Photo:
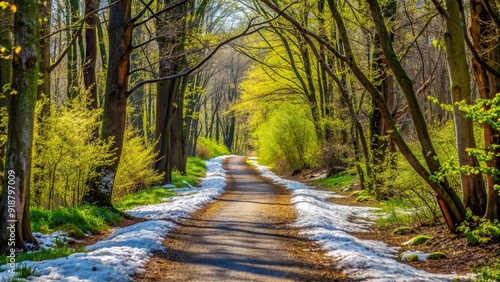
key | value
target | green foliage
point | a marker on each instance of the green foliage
(23, 272)
(207, 149)
(363, 199)
(79, 220)
(144, 197)
(484, 111)
(336, 181)
(66, 153)
(135, 170)
(287, 139)
(43, 254)
(489, 272)
(195, 170)
(479, 231)
(402, 211)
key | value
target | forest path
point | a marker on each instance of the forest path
(244, 235)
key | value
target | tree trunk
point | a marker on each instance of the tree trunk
(474, 194)
(447, 193)
(171, 36)
(89, 73)
(485, 41)
(120, 31)
(15, 202)
(6, 23)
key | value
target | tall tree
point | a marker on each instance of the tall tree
(473, 192)
(171, 41)
(484, 30)
(15, 201)
(451, 203)
(6, 23)
(89, 64)
(120, 29)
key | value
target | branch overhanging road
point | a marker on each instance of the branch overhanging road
(244, 235)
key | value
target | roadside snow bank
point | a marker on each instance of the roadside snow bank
(125, 252)
(330, 225)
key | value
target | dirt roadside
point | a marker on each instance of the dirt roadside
(244, 235)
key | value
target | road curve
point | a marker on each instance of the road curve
(244, 235)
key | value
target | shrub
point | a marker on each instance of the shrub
(66, 153)
(208, 148)
(287, 139)
(479, 231)
(135, 170)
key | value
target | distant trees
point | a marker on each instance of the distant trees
(329, 41)
(81, 121)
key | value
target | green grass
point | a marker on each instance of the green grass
(335, 181)
(398, 211)
(489, 272)
(76, 221)
(148, 196)
(23, 272)
(43, 254)
(195, 171)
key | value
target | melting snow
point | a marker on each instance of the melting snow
(125, 252)
(330, 225)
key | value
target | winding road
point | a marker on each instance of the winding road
(244, 235)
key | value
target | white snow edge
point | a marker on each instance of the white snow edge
(330, 225)
(126, 251)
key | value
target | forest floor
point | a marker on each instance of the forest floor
(462, 258)
(257, 230)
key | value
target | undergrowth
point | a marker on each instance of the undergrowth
(479, 231)
(401, 211)
(207, 149)
(488, 272)
(60, 251)
(336, 182)
(195, 171)
(75, 221)
(148, 196)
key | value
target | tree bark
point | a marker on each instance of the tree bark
(473, 192)
(89, 73)
(171, 36)
(484, 39)
(21, 107)
(120, 31)
(6, 34)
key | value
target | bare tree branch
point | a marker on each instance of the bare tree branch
(156, 14)
(245, 32)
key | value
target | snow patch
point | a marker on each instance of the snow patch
(126, 251)
(331, 224)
